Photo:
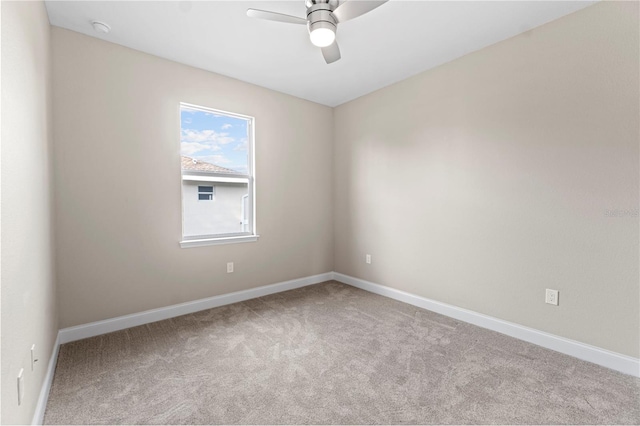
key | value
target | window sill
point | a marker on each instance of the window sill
(218, 241)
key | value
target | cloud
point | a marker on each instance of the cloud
(226, 126)
(190, 148)
(206, 136)
(241, 146)
(187, 120)
(214, 147)
(197, 141)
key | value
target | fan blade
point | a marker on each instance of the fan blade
(331, 53)
(274, 16)
(353, 8)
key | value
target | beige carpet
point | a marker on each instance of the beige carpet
(328, 353)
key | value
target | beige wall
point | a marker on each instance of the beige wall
(28, 293)
(117, 170)
(486, 180)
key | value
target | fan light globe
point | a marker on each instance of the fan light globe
(322, 37)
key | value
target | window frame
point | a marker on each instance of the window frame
(247, 236)
(211, 194)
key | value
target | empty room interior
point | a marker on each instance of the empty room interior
(320, 212)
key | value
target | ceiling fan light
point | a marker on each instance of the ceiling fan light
(322, 37)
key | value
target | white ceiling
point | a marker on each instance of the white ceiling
(397, 40)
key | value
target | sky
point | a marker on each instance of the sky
(213, 138)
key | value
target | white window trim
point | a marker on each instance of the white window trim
(200, 242)
(251, 235)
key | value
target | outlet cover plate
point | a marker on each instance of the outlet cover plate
(551, 297)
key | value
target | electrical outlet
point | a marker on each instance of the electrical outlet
(21, 386)
(551, 297)
(229, 267)
(33, 357)
(367, 259)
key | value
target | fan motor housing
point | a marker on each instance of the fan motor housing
(319, 16)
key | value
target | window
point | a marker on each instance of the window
(205, 193)
(218, 190)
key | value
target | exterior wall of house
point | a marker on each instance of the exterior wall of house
(29, 306)
(221, 215)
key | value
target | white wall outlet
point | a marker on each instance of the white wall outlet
(367, 258)
(229, 267)
(33, 357)
(20, 386)
(551, 297)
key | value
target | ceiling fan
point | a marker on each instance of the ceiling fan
(323, 17)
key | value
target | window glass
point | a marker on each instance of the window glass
(216, 165)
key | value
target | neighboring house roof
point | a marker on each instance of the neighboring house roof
(195, 165)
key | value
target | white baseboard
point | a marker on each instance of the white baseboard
(603, 357)
(127, 321)
(38, 415)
